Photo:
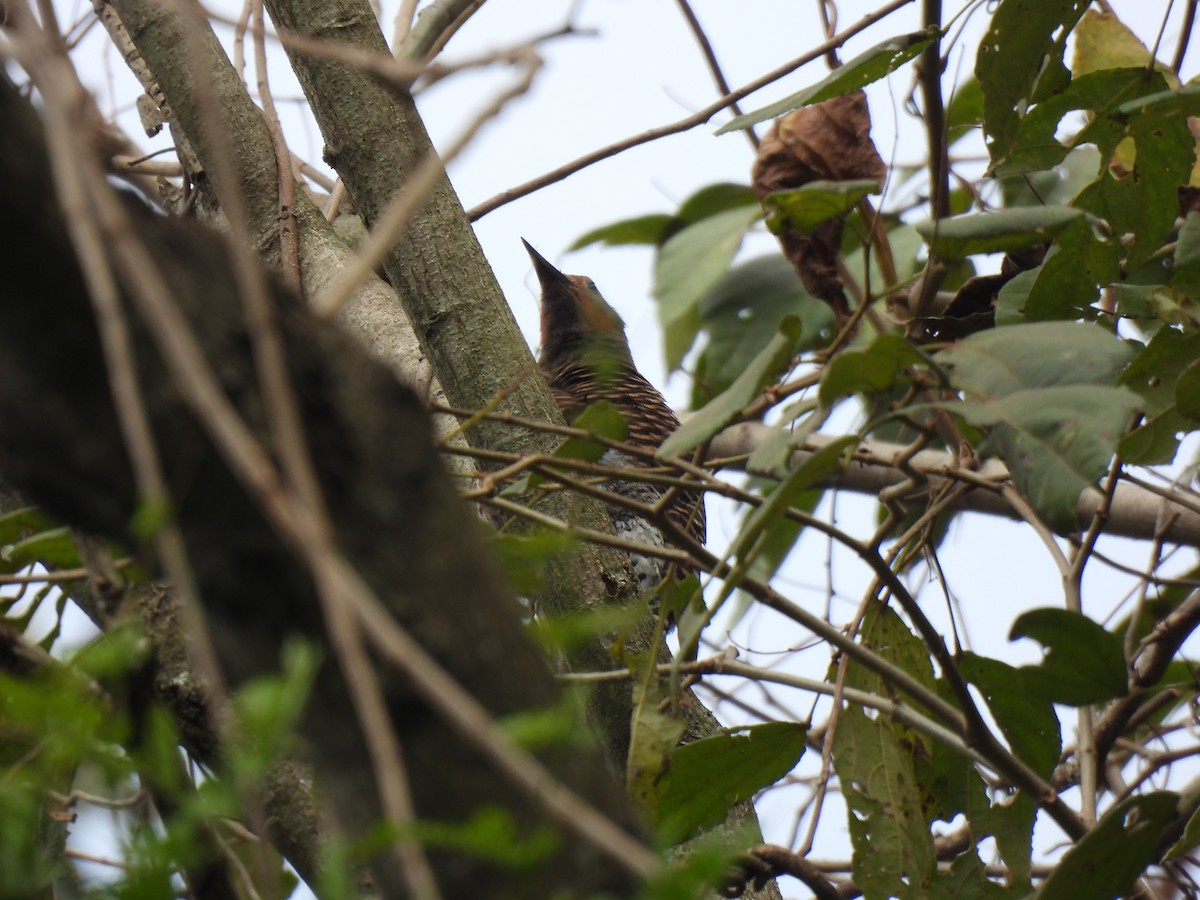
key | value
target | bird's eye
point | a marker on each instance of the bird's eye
(591, 284)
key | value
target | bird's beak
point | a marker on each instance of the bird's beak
(548, 276)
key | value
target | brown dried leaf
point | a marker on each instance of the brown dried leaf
(827, 141)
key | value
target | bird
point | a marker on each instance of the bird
(585, 358)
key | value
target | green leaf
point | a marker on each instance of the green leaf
(1023, 712)
(1171, 104)
(1187, 392)
(965, 112)
(805, 208)
(648, 229)
(525, 557)
(1154, 374)
(893, 847)
(1001, 231)
(741, 314)
(706, 777)
(23, 522)
(1185, 274)
(492, 834)
(1042, 389)
(602, 419)
(1102, 41)
(713, 199)
(875, 760)
(1108, 859)
(54, 549)
(653, 736)
(1083, 662)
(1032, 730)
(725, 408)
(688, 266)
(1037, 146)
(1020, 61)
(968, 880)
(655, 228)
(1057, 441)
(869, 371)
(1067, 284)
(865, 68)
(1142, 204)
(1188, 841)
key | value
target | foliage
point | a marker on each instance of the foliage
(1037, 382)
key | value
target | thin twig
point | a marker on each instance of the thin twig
(699, 118)
(1185, 34)
(714, 66)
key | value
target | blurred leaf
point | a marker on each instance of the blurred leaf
(602, 419)
(996, 232)
(1187, 392)
(713, 199)
(968, 880)
(965, 112)
(268, 710)
(741, 314)
(1056, 186)
(798, 423)
(560, 725)
(655, 228)
(1046, 354)
(865, 68)
(1042, 390)
(869, 371)
(1184, 101)
(1108, 859)
(648, 229)
(907, 251)
(725, 408)
(1102, 41)
(688, 266)
(704, 778)
(524, 557)
(492, 834)
(54, 549)
(804, 208)
(653, 736)
(1188, 841)
(1083, 662)
(1185, 275)
(29, 520)
(1020, 61)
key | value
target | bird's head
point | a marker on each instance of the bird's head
(578, 325)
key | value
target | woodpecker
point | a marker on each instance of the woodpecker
(585, 357)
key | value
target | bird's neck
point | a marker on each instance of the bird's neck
(603, 354)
